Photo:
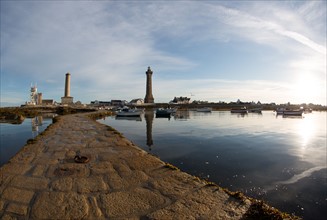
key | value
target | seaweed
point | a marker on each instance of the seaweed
(170, 166)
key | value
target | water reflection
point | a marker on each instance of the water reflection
(14, 136)
(36, 122)
(149, 115)
(305, 130)
(182, 115)
(137, 118)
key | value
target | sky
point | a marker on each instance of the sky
(267, 51)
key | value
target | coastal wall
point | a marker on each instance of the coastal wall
(116, 180)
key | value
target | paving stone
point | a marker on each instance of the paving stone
(33, 183)
(17, 195)
(23, 157)
(135, 178)
(62, 184)
(5, 179)
(39, 170)
(45, 160)
(68, 169)
(95, 211)
(130, 203)
(102, 168)
(205, 203)
(59, 154)
(70, 153)
(60, 205)
(2, 205)
(16, 168)
(7, 216)
(18, 209)
(92, 184)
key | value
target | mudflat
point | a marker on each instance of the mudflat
(81, 169)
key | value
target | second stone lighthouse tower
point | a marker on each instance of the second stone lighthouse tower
(148, 96)
(67, 85)
(67, 99)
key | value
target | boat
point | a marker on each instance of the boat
(255, 110)
(280, 111)
(242, 110)
(163, 113)
(127, 112)
(204, 109)
(307, 110)
(171, 110)
(293, 112)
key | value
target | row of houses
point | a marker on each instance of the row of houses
(113, 102)
(139, 101)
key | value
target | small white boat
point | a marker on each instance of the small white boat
(255, 110)
(280, 111)
(126, 112)
(204, 109)
(171, 110)
(307, 110)
(293, 112)
(242, 110)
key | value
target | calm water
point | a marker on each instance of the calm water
(279, 160)
(13, 137)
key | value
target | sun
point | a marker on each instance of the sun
(306, 89)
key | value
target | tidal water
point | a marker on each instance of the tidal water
(14, 136)
(279, 160)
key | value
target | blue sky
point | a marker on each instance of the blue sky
(268, 51)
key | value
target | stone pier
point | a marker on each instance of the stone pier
(119, 181)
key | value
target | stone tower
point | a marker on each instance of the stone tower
(148, 96)
(67, 99)
(67, 85)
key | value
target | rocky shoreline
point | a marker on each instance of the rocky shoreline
(47, 179)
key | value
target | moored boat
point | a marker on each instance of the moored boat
(255, 110)
(171, 110)
(162, 113)
(293, 112)
(280, 111)
(204, 109)
(126, 112)
(307, 110)
(242, 110)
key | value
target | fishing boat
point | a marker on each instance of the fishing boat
(163, 113)
(307, 110)
(298, 112)
(204, 109)
(242, 110)
(280, 111)
(127, 112)
(255, 110)
(171, 110)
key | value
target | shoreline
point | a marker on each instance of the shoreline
(119, 181)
